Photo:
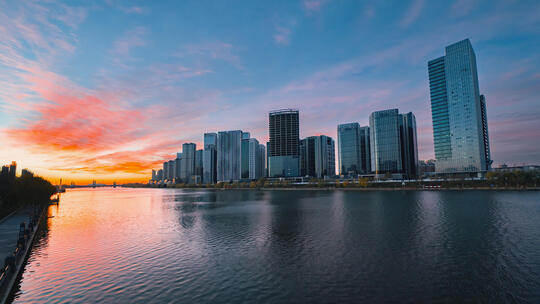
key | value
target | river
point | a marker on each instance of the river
(122, 245)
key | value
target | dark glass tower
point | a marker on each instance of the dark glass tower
(409, 147)
(284, 153)
(353, 149)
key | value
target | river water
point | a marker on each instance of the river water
(244, 246)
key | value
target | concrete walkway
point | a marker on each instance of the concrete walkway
(9, 231)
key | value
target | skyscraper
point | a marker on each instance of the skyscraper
(210, 158)
(348, 148)
(229, 155)
(283, 152)
(244, 164)
(409, 146)
(172, 169)
(261, 155)
(317, 155)
(365, 149)
(458, 111)
(165, 170)
(353, 149)
(178, 167)
(393, 143)
(198, 173)
(385, 141)
(188, 162)
(255, 159)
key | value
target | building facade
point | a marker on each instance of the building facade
(409, 145)
(256, 159)
(385, 142)
(317, 156)
(245, 156)
(365, 150)
(229, 155)
(210, 158)
(188, 162)
(353, 149)
(393, 143)
(198, 173)
(460, 131)
(283, 150)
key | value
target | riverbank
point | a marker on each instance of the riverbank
(344, 188)
(17, 234)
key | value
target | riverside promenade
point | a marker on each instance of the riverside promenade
(9, 242)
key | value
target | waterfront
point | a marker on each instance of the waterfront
(241, 246)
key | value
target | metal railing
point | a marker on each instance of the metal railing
(8, 270)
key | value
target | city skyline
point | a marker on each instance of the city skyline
(101, 92)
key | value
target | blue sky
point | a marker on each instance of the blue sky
(93, 88)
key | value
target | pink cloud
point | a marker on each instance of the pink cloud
(413, 12)
(282, 35)
(131, 39)
(313, 5)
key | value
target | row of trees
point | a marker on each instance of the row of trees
(516, 179)
(16, 192)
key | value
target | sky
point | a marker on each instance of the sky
(108, 90)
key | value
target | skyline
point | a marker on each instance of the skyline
(101, 90)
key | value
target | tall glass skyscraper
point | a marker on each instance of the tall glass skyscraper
(353, 149)
(187, 169)
(409, 146)
(458, 111)
(365, 149)
(210, 158)
(385, 141)
(244, 165)
(393, 143)
(283, 152)
(229, 155)
(256, 159)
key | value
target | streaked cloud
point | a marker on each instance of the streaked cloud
(413, 12)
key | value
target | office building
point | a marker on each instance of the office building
(172, 170)
(262, 161)
(198, 165)
(188, 162)
(385, 142)
(160, 174)
(409, 146)
(317, 156)
(245, 156)
(229, 155)
(365, 150)
(256, 159)
(353, 149)
(460, 129)
(178, 167)
(283, 151)
(393, 144)
(165, 171)
(210, 158)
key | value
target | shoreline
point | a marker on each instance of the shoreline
(350, 189)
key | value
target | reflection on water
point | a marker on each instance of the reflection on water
(191, 246)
